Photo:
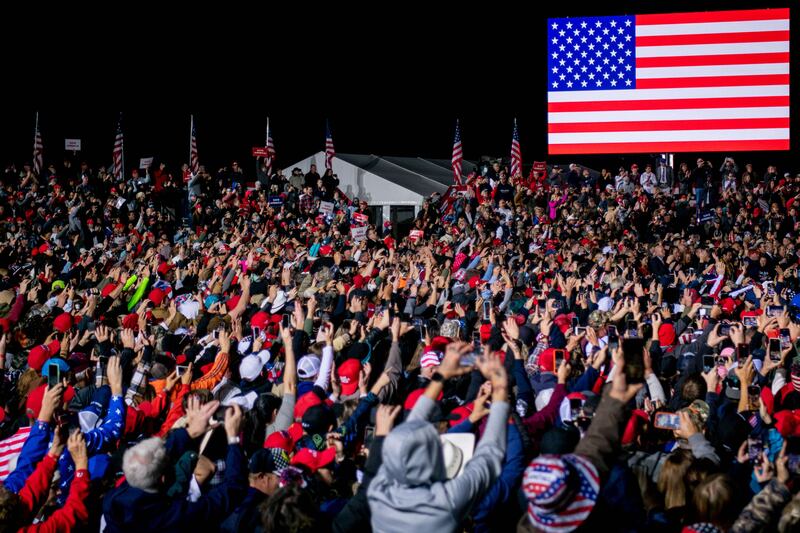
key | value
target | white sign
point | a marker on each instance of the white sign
(359, 234)
(72, 144)
(120, 202)
(145, 162)
(326, 208)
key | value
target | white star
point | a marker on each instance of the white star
(620, 45)
(613, 38)
(562, 77)
(577, 62)
(569, 40)
(591, 32)
(555, 40)
(591, 75)
(627, 67)
(613, 53)
(561, 48)
(554, 26)
(583, 39)
(620, 31)
(577, 75)
(605, 75)
(627, 22)
(583, 83)
(583, 68)
(598, 68)
(576, 32)
(569, 69)
(555, 85)
(606, 60)
(591, 61)
(621, 75)
(569, 84)
(569, 25)
(627, 52)
(598, 23)
(605, 31)
(620, 60)
(555, 70)
(613, 23)
(555, 55)
(613, 83)
(598, 38)
(628, 82)
(118, 412)
(605, 46)
(613, 68)
(591, 47)
(583, 24)
(577, 47)
(561, 33)
(599, 83)
(569, 55)
(598, 53)
(561, 62)
(583, 54)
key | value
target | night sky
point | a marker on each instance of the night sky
(391, 85)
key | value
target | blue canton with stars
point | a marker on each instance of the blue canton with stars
(588, 53)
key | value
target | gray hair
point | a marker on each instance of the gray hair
(144, 463)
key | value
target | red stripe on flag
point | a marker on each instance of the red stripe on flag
(677, 146)
(724, 59)
(677, 103)
(713, 16)
(713, 81)
(659, 125)
(713, 38)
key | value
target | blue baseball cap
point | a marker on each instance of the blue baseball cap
(62, 365)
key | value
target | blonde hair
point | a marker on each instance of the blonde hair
(671, 482)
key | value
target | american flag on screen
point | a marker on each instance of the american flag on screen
(118, 152)
(458, 156)
(270, 150)
(678, 82)
(329, 151)
(516, 153)
(37, 149)
(194, 161)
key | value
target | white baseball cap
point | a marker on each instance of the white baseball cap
(308, 366)
(251, 366)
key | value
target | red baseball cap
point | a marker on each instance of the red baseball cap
(304, 402)
(348, 373)
(313, 460)
(63, 322)
(259, 320)
(108, 289)
(163, 268)
(412, 398)
(156, 296)
(286, 439)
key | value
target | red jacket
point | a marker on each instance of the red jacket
(36, 490)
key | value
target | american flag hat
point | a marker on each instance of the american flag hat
(561, 492)
(460, 275)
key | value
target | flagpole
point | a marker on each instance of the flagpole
(266, 141)
(122, 170)
(35, 133)
(191, 129)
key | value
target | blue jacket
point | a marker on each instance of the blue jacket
(246, 517)
(98, 441)
(130, 509)
(32, 452)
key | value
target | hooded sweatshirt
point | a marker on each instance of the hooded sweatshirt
(411, 490)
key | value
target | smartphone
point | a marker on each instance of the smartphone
(667, 421)
(53, 375)
(750, 321)
(580, 330)
(575, 324)
(724, 329)
(773, 310)
(476, 340)
(559, 356)
(742, 352)
(575, 408)
(487, 311)
(285, 321)
(613, 342)
(775, 349)
(708, 362)
(612, 330)
(753, 396)
(632, 328)
(633, 352)
(793, 463)
(704, 310)
(369, 433)
(755, 447)
(468, 359)
(181, 370)
(785, 338)
(256, 332)
(558, 304)
(215, 334)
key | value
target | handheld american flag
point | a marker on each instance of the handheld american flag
(37, 149)
(329, 151)
(516, 153)
(194, 161)
(270, 150)
(118, 151)
(458, 156)
(679, 82)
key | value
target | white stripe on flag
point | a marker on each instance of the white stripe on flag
(712, 49)
(671, 135)
(668, 114)
(712, 70)
(694, 28)
(661, 94)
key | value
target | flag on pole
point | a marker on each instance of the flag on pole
(329, 151)
(37, 149)
(194, 162)
(457, 156)
(516, 153)
(674, 82)
(270, 151)
(118, 171)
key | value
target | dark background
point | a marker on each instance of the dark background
(391, 82)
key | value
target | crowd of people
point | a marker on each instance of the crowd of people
(564, 351)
